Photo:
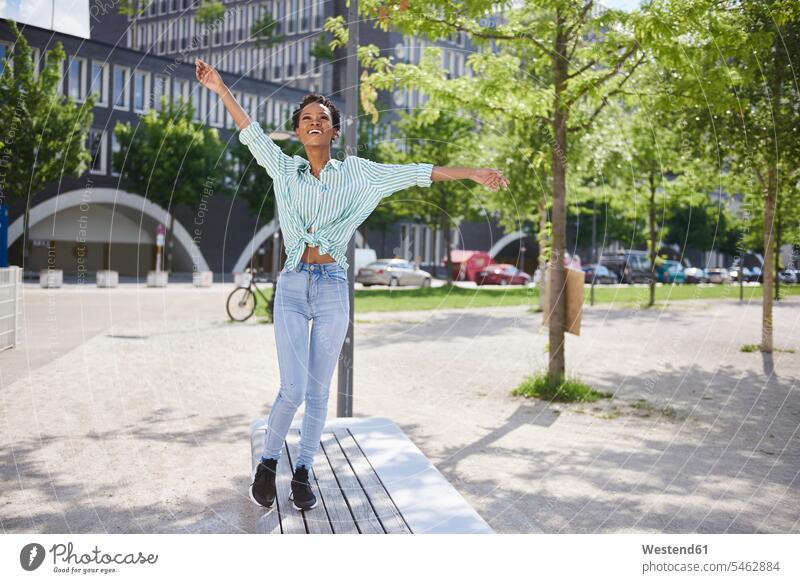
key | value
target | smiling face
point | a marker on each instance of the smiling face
(316, 125)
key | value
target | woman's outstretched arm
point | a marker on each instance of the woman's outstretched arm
(489, 177)
(208, 76)
(266, 152)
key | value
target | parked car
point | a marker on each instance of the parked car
(695, 275)
(631, 266)
(392, 272)
(502, 274)
(670, 271)
(747, 275)
(599, 273)
(789, 276)
(718, 275)
(758, 275)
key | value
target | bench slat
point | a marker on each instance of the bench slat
(317, 518)
(382, 503)
(363, 513)
(339, 513)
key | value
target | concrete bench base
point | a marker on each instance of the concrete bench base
(368, 477)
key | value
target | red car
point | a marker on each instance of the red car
(502, 274)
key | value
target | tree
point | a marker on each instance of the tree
(209, 12)
(733, 80)
(441, 142)
(170, 159)
(265, 32)
(557, 63)
(46, 131)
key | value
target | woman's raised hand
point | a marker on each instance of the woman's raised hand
(490, 177)
(208, 76)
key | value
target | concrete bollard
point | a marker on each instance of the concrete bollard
(157, 278)
(51, 277)
(107, 278)
(242, 279)
(203, 278)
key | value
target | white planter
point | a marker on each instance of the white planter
(157, 278)
(203, 278)
(107, 278)
(242, 279)
(51, 277)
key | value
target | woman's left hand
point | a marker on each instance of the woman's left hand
(490, 177)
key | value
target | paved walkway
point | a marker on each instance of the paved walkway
(128, 411)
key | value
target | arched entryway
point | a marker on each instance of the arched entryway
(100, 228)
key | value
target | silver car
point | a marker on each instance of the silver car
(392, 272)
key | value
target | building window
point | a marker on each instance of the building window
(181, 91)
(97, 149)
(99, 85)
(121, 87)
(115, 148)
(278, 13)
(305, 15)
(198, 101)
(160, 89)
(141, 87)
(277, 61)
(76, 79)
(230, 20)
(290, 50)
(319, 13)
(162, 38)
(5, 51)
(292, 17)
(304, 57)
(214, 117)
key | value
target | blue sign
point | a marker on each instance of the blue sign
(3, 236)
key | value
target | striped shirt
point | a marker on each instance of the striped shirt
(325, 212)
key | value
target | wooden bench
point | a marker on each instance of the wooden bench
(368, 478)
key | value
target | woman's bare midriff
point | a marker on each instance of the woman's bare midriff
(312, 255)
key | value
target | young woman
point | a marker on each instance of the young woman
(321, 202)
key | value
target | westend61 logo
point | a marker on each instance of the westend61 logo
(32, 556)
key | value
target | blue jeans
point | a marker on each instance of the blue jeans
(318, 292)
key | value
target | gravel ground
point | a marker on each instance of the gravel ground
(127, 410)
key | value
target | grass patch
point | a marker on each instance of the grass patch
(756, 348)
(624, 296)
(569, 390)
(440, 298)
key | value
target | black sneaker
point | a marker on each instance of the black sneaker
(262, 490)
(302, 497)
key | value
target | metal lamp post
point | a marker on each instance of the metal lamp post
(344, 402)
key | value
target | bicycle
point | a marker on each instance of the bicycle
(241, 303)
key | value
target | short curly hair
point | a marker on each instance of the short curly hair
(336, 117)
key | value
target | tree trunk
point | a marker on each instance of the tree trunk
(544, 242)
(778, 242)
(770, 202)
(557, 367)
(653, 242)
(769, 245)
(446, 230)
